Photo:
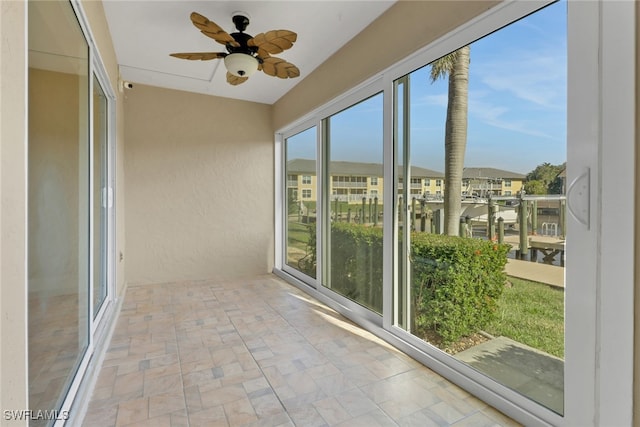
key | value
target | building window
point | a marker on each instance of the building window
(438, 183)
(374, 180)
(306, 179)
(507, 183)
(427, 182)
(306, 193)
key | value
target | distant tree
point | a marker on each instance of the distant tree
(535, 187)
(292, 200)
(456, 66)
(544, 179)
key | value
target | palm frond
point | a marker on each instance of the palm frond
(443, 66)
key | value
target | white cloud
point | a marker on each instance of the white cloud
(535, 77)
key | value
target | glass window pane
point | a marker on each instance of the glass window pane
(100, 196)
(355, 153)
(58, 247)
(301, 201)
(481, 272)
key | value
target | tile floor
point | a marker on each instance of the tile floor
(54, 348)
(260, 352)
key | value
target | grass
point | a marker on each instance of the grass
(533, 314)
(298, 235)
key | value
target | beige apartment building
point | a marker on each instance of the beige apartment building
(352, 181)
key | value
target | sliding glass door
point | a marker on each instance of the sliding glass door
(70, 199)
(59, 201)
(481, 220)
(353, 203)
(495, 154)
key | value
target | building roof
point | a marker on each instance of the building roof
(491, 173)
(307, 166)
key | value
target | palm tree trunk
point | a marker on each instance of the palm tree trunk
(455, 140)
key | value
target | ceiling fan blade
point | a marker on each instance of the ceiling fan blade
(202, 56)
(213, 30)
(278, 67)
(274, 41)
(235, 80)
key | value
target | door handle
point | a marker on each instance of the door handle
(578, 198)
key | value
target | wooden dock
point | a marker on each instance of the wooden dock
(549, 246)
(551, 275)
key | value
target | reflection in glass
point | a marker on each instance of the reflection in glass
(301, 201)
(481, 246)
(58, 223)
(100, 196)
(354, 202)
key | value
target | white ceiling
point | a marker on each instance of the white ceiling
(145, 33)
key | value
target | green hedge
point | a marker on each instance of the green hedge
(356, 263)
(456, 283)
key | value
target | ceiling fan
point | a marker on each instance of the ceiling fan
(245, 54)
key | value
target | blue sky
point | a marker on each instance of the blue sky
(517, 104)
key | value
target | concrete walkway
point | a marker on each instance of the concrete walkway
(533, 373)
(535, 271)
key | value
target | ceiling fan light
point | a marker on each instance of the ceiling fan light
(241, 64)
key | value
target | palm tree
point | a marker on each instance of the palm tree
(456, 66)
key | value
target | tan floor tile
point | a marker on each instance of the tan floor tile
(130, 383)
(331, 410)
(375, 418)
(240, 412)
(161, 404)
(478, 420)
(192, 399)
(259, 353)
(107, 377)
(101, 416)
(132, 411)
(221, 395)
(212, 416)
(162, 370)
(171, 383)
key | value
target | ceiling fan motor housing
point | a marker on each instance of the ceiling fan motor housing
(241, 21)
(242, 60)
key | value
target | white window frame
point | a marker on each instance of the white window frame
(599, 307)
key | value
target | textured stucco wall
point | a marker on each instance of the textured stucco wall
(200, 196)
(13, 224)
(54, 190)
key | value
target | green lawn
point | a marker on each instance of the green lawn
(532, 314)
(298, 235)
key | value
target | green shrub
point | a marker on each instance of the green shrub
(456, 283)
(307, 264)
(356, 263)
